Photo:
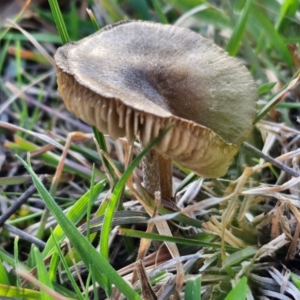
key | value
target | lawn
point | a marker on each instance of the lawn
(83, 215)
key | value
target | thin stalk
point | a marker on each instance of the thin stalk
(150, 167)
(165, 177)
(157, 175)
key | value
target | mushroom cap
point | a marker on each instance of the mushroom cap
(134, 78)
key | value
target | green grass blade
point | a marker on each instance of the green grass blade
(3, 274)
(161, 16)
(86, 251)
(59, 21)
(16, 262)
(288, 8)
(31, 263)
(288, 105)
(53, 266)
(75, 214)
(43, 275)
(3, 53)
(266, 88)
(12, 292)
(87, 285)
(69, 274)
(296, 280)
(239, 292)
(9, 259)
(102, 144)
(90, 203)
(94, 284)
(273, 36)
(193, 288)
(237, 35)
(40, 37)
(238, 257)
(270, 105)
(166, 238)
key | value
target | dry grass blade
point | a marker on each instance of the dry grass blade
(147, 292)
(272, 190)
(218, 228)
(272, 161)
(20, 13)
(33, 41)
(18, 93)
(271, 247)
(28, 277)
(12, 209)
(245, 224)
(145, 243)
(164, 229)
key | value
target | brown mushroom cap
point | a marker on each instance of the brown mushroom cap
(134, 78)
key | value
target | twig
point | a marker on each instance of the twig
(15, 206)
(25, 236)
(271, 160)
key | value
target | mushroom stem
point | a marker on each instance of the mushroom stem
(165, 177)
(157, 174)
(150, 167)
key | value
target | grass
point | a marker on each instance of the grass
(229, 238)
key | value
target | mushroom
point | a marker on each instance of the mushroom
(133, 78)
